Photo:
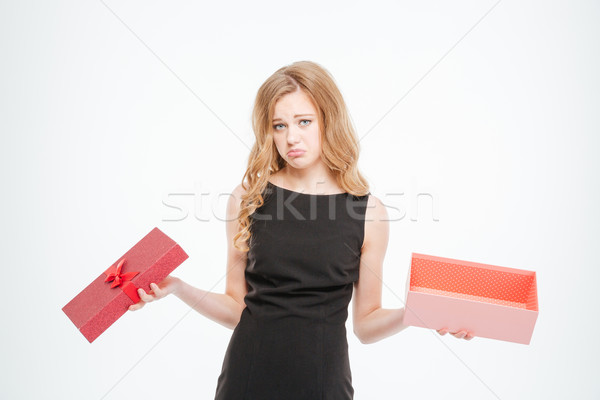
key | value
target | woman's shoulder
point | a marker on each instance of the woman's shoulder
(235, 199)
(376, 211)
(239, 190)
(376, 222)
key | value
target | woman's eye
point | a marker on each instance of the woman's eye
(301, 121)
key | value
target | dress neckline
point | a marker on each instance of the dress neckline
(305, 194)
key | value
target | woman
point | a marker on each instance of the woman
(304, 234)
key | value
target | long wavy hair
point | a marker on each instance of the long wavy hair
(340, 145)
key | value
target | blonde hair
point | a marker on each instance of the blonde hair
(340, 145)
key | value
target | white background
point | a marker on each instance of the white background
(492, 108)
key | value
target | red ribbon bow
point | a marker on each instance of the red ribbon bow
(122, 280)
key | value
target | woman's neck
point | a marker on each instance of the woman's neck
(318, 181)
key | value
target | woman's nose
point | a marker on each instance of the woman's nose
(293, 135)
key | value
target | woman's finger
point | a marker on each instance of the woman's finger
(136, 306)
(442, 331)
(469, 336)
(144, 296)
(157, 291)
(460, 334)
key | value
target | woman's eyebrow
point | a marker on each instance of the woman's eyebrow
(295, 116)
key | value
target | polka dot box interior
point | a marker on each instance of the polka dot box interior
(488, 300)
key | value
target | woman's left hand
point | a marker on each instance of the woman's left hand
(460, 334)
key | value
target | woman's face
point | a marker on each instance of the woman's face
(295, 126)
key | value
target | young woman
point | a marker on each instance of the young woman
(304, 235)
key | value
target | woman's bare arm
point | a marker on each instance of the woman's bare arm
(372, 322)
(224, 308)
(219, 307)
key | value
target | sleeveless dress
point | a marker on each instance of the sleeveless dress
(290, 342)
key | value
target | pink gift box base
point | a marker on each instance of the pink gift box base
(489, 301)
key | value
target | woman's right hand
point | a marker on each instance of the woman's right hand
(164, 288)
(462, 334)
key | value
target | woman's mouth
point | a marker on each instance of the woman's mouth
(295, 153)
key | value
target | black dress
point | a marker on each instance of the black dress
(290, 342)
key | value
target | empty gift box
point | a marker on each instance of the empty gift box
(487, 300)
